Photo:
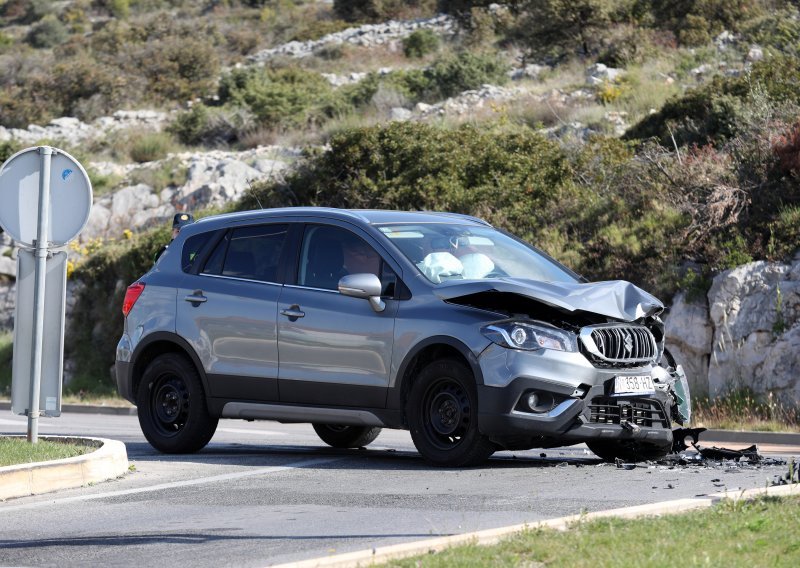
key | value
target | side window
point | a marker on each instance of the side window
(329, 253)
(254, 252)
(192, 247)
(214, 263)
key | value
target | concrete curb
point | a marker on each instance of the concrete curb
(108, 461)
(750, 437)
(492, 536)
(88, 409)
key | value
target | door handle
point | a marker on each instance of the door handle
(293, 312)
(196, 297)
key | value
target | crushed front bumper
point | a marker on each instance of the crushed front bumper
(579, 403)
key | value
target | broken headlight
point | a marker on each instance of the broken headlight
(530, 336)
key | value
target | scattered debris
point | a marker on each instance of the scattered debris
(622, 465)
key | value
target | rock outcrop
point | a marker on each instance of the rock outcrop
(367, 35)
(213, 178)
(744, 334)
(73, 131)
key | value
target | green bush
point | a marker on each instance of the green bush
(180, 69)
(779, 30)
(279, 98)
(557, 29)
(49, 32)
(96, 324)
(381, 10)
(450, 75)
(150, 146)
(420, 43)
(711, 112)
(191, 126)
(694, 22)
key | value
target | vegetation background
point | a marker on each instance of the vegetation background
(704, 177)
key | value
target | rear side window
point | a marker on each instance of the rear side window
(192, 248)
(254, 252)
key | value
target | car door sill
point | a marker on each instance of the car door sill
(282, 413)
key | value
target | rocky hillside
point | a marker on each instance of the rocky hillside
(655, 141)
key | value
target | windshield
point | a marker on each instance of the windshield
(465, 252)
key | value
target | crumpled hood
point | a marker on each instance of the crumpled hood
(616, 299)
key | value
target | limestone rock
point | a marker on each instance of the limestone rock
(755, 312)
(689, 336)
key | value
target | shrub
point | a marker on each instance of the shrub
(451, 75)
(557, 29)
(76, 80)
(420, 43)
(711, 113)
(190, 126)
(279, 97)
(779, 30)
(380, 10)
(180, 68)
(49, 32)
(96, 320)
(150, 146)
(695, 22)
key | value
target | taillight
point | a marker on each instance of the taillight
(131, 295)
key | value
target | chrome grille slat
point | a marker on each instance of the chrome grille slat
(619, 343)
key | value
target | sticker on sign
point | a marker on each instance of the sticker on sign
(634, 384)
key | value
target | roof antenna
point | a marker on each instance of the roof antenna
(253, 191)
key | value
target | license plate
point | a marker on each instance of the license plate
(635, 384)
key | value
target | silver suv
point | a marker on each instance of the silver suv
(360, 320)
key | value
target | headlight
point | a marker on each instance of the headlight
(530, 336)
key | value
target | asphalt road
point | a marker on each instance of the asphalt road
(265, 493)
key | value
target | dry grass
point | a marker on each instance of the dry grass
(743, 410)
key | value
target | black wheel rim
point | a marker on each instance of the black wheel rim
(337, 427)
(446, 413)
(169, 404)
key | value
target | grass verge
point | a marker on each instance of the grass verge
(15, 451)
(762, 532)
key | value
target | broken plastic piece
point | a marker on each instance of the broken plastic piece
(679, 436)
(719, 454)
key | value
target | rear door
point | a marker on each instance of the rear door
(334, 350)
(227, 311)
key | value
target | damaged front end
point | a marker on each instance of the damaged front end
(576, 362)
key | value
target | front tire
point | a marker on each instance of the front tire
(172, 407)
(628, 451)
(338, 436)
(442, 411)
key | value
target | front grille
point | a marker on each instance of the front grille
(619, 343)
(642, 412)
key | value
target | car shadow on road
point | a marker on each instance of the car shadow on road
(261, 455)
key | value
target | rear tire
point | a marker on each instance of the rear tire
(338, 436)
(172, 407)
(442, 411)
(629, 451)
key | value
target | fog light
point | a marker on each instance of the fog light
(533, 401)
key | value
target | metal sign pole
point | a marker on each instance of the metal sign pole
(40, 254)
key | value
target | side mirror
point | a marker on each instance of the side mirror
(367, 286)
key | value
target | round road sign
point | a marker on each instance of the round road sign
(70, 197)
